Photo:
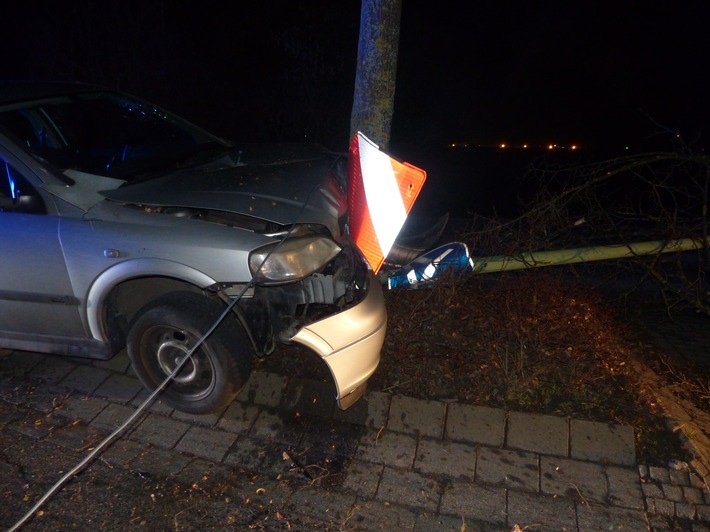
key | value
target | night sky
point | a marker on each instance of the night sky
(584, 72)
(601, 73)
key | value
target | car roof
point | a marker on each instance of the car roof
(18, 91)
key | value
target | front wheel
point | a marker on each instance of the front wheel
(167, 329)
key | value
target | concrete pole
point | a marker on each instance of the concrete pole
(538, 259)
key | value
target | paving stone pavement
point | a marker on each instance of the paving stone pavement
(390, 462)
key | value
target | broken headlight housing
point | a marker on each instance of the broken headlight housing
(292, 259)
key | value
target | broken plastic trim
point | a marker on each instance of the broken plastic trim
(453, 257)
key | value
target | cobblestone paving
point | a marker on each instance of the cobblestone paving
(390, 462)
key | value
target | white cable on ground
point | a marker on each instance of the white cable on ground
(89, 457)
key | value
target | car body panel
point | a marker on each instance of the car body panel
(284, 193)
(350, 342)
(36, 294)
(218, 251)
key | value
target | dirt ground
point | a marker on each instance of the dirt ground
(532, 341)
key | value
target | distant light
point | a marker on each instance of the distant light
(502, 145)
(574, 146)
(626, 147)
(551, 146)
(525, 145)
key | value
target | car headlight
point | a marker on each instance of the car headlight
(292, 259)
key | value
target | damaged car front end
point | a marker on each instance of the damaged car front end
(338, 312)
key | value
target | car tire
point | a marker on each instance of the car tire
(163, 333)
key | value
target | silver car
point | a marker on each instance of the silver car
(124, 226)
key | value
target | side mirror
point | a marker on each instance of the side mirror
(25, 204)
(30, 204)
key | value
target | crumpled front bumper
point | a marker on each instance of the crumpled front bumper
(350, 343)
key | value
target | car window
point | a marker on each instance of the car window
(16, 192)
(19, 128)
(105, 134)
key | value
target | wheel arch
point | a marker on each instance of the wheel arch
(119, 292)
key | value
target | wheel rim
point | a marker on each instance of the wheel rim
(170, 354)
(166, 347)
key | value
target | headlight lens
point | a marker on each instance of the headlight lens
(292, 260)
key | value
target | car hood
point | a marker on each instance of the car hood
(280, 192)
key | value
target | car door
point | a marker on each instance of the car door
(36, 296)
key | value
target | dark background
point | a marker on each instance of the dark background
(604, 75)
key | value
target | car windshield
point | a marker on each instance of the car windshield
(107, 134)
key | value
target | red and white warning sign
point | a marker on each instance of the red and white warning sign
(381, 194)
